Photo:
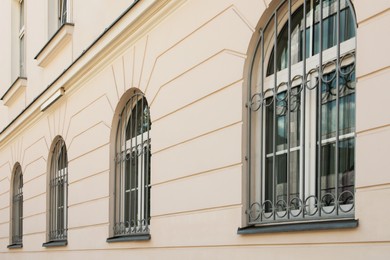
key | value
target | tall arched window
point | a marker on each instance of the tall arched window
(132, 170)
(58, 195)
(17, 208)
(301, 115)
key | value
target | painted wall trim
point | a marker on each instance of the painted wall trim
(301, 226)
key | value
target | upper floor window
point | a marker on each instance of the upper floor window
(59, 14)
(301, 146)
(132, 170)
(58, 195)
(17, 208)
(22, 48)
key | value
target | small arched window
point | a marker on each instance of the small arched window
(132, 169)
(301, 116)
(58, 195)
(17, 208)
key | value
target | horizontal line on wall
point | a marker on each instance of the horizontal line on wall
(34, 215)
(6, 207)
(5, 192)
(197, 174)
(372, 17)
(382, 186)
(90, 176)
(88, 201)
(183, 39)
(196, 137)
(148, 246)
(373, 73)
(85, 131)
(89, 226)
(94, 149)
(373, 130)
(198, 100)
(33, 197)
(191, 212)
(189, 70)
(36, 233)
(34, 178)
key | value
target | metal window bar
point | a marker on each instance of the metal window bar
(132, 174)
(17, 207)
(306, 194)
(58, 225)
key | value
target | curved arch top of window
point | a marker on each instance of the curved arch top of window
(301, 119)
(312, 31)
(139, 118)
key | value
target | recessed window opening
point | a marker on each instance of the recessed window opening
(301, 134)
(132, 169)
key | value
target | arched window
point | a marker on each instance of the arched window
(17, 208)
(132, 170)
(301, 116)
(58, 195)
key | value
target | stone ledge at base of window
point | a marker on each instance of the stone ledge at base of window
(55, 44)
(55, 243)
(301, 226)
(135, 237)
(12, 246)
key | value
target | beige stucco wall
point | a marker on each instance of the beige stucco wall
(189, 59)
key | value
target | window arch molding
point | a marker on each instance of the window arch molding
(321, 62)
(130, 164)
(57, 194)
(16, 202)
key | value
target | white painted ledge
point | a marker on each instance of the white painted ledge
(55, 44)
(17, 88)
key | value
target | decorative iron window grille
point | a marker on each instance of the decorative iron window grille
(301, 118)
(132, 169)
(17, 207)
(58, 197)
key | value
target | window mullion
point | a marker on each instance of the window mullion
(302, 123)
(319, 117)
(132, 155)
(288, 177)
(274, 180)
(262, 124)
(141, 163)
(126, 172)
(337, 109)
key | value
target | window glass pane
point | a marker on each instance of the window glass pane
(346, 171)
(22, 58)
(21, 15)
(63, 11)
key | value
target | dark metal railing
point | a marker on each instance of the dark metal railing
(17, 206)
(58, 219)
(132, 172)
(301, 114)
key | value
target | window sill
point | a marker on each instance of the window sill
(12, 246)
(136, 237)
(55, 243)
(14, 90)
(55, 44)
(301, 226)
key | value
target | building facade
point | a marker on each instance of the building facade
(183, 129)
